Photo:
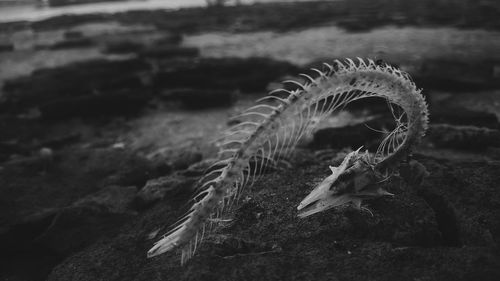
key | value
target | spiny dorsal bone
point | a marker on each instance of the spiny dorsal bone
(271, 129)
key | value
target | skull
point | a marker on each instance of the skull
(352, 181)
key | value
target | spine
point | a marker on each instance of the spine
(274, 126)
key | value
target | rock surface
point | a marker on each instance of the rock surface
(406, 235)
(79, 79)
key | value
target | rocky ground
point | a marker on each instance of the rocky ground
(107, 121)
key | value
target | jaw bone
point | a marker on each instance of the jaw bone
(351, 182)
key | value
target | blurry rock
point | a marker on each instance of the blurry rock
(123, 47)
(159, 188)
(60, 141)
(73, 80)
(27, 228)
(32, 113)
(30, 183)
(186, 159)
(485, 102)
(5, 47)
(76, 227)
(58, 3)
(463, 116)
(40, 160)
(493, 152)
(72, 44)
(162, 52)
(73, 173)
(124, 102)
(110, 166)
(363, 16)
(171, 39)
(457, 76)
(446, 217)
(200, 99)
(66, 21)
(246, 75)
(18, 251)
(161, 166)
(136, 172)
(118, 145)
(73, 34)
(463, 137)
(13, 147)
(66, 230)
(496, 71)
(462, 194)
(113, 199)
(46, 154)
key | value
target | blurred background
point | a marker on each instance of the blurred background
(108, 110)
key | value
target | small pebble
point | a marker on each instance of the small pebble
(119, 145)
(46, 153)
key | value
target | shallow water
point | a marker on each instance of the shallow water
(32, 12)
(403, 44)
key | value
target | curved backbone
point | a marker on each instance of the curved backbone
(268, 132)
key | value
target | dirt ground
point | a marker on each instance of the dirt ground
(107, 121)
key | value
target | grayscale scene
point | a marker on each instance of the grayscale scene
(341, 140)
